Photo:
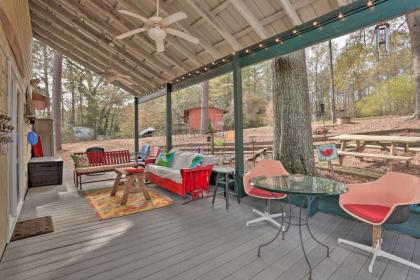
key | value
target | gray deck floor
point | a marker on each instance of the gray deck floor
(191, 241)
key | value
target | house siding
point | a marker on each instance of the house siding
(216, 117)
(17, 12)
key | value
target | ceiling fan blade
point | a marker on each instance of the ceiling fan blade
(130, 33)
(128, 13)
(182, 35)
(160, 46)
(174, 18)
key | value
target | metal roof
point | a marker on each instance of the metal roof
(82, 30)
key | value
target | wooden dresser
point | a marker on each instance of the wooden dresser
(44, 171)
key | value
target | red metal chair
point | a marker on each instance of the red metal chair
(267, 168)
(384, 201)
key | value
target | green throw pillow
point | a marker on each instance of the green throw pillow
(80, 161)
(196, 161)
(165, 159)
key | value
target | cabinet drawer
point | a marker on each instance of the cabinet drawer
(44, 166)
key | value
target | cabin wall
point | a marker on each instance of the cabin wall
(17, 13)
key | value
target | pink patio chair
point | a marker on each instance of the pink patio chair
(266, 168)
(383, 201)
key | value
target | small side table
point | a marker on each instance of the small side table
(132, 186)
(225, 175)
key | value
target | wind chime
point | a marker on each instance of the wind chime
(382, 39)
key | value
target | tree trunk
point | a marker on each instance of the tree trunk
(81, 93)
(413, 21)
(57, 96)
(73, 107)
(45, 78)
(292, 114)
(316, 101)
(332, 101)
(204, 126)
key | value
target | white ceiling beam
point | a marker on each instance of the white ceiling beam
(214, 11)
(249, 16)
(291, 12)
(341, 2)
(214, 23)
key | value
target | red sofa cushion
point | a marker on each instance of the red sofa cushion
(265, 194)
(372, 213)
(135, 170)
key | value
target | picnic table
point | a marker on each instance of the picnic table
(388, 142)
(384, 141)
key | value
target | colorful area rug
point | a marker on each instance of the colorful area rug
(107, 206)
(33, 227)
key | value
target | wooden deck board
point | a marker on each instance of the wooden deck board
(193, 241)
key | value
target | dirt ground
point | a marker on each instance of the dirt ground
(265, 134)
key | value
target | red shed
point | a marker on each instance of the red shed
(193, 118)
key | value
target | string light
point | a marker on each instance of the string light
(278, 40)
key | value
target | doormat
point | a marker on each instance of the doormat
(33, 227)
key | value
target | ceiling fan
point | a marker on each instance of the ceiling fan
(111, 75)
(157, 27)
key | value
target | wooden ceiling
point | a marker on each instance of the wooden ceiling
(83, 29)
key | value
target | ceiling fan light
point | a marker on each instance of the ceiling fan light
(156, 33)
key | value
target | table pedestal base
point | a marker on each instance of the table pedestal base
(265, 217)
(302, 222)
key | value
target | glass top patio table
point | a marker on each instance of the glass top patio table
(305, 186)
(300, 185)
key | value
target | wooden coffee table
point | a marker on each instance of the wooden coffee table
(132, 186)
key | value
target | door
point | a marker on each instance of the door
(15, 191)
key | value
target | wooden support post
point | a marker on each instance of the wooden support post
(238, 116)
(168, 117)
(136, 127)
(392, 151)
(343, 145)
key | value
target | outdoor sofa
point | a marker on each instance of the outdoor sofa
(178, 176)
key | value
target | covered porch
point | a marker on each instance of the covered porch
(196, 240)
